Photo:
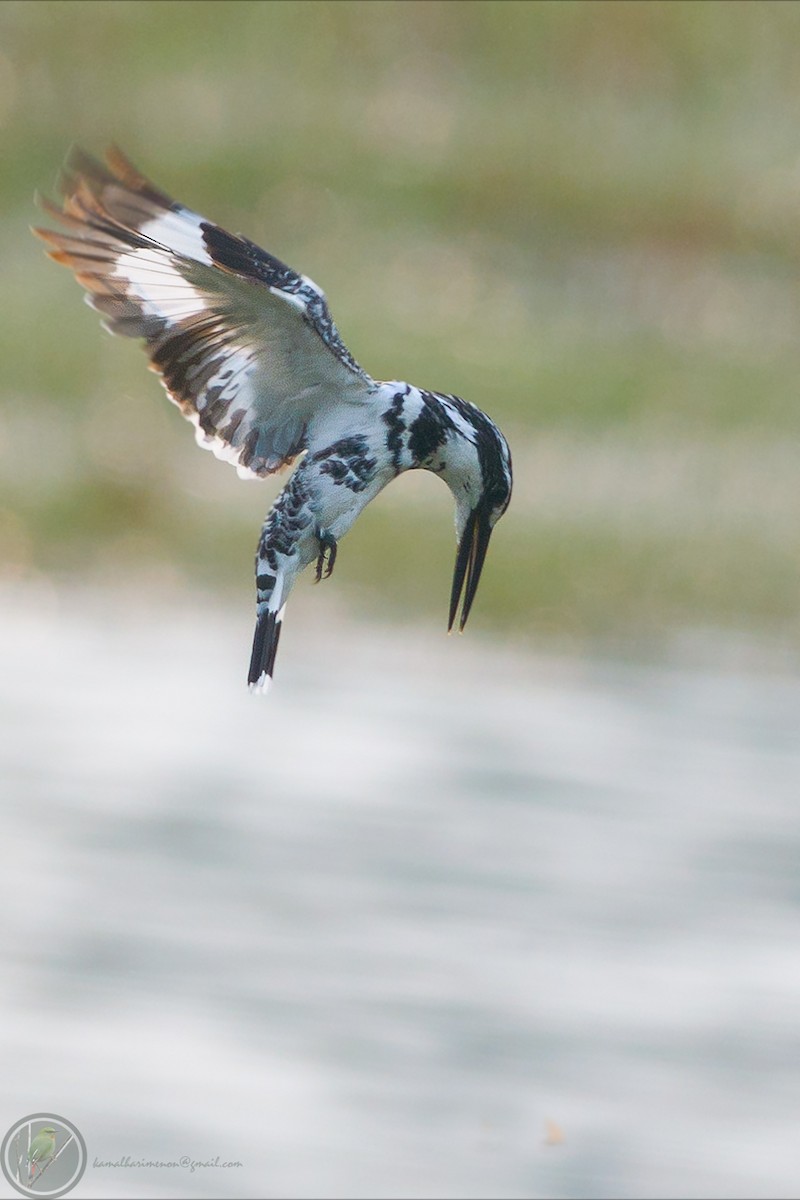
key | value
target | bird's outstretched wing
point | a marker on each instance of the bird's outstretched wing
(244, 346)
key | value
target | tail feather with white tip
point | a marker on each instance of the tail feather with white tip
(265, 647)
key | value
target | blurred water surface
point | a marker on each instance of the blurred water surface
(371, 935)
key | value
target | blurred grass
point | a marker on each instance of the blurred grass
(585, 217)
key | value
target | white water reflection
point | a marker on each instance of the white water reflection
(370, 935)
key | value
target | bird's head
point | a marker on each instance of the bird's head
(475, 463)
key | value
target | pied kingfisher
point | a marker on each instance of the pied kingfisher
(247, 350)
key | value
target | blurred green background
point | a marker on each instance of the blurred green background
(584, 217)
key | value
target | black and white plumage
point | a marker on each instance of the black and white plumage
(247, 349)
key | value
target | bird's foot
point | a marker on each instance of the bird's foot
(329, 545)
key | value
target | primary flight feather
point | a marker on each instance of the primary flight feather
(248, 351)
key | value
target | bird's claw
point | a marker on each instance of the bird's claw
(329, 545)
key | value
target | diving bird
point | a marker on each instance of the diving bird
(248, 351)
(42, 1148)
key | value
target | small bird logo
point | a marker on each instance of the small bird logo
(42, 1149)
(248, 351)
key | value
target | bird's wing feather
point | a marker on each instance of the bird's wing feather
(244, 345)
(41, 1147)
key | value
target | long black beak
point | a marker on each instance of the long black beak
(469, 564)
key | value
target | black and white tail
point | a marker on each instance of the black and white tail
(265, 647)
